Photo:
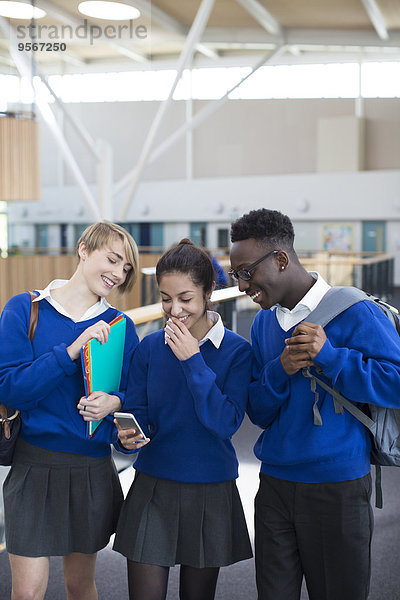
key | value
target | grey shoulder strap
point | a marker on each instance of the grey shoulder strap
(336, 300)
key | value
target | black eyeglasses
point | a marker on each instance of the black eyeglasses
(245, 273)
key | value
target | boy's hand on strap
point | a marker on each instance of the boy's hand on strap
(304, 345)
(293, 362)
(307, 338)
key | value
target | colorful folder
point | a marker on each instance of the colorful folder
(102, 364)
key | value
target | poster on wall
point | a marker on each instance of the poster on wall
(337, 236)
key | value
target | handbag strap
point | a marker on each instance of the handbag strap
(33, 319)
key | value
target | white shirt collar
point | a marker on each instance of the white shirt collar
(94, 311)
(217, 331)
(289, 318)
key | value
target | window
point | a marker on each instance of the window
(41, 238)
(198, 234)
(79, 228)
(157, 235)
(133, 229)
(333, 80)
(3, 234)
(148, 235)
(64, 238)
(223, 238)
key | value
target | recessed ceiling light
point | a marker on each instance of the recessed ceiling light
(115, 11)
(20, 10)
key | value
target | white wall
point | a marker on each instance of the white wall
(174, 232)
(243, 138)
(367, 195)
(212, 232)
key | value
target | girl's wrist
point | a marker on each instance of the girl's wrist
(118, 404)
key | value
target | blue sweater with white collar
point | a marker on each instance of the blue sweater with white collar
(361, 358)
(189, 409)
(42, 381)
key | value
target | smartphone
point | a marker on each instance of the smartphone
(128, 421)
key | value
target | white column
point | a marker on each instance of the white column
(189, 134)
(105, 179)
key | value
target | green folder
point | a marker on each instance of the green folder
(102, 364)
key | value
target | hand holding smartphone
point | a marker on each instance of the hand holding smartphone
(128, 421)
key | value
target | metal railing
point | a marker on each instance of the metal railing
(371, 271)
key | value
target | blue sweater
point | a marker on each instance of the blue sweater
(362, 359)
(190, 409)
(43, 382)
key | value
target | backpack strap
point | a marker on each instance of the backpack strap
(341, 402)
(336, 300)
(378, 487)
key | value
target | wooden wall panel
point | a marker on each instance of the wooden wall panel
(19, 159)
(21, 273)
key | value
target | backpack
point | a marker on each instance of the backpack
(383, 423)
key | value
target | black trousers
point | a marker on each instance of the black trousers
(321, 531)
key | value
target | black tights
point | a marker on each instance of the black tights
(149, 582)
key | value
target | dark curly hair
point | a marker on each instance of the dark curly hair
(268, 227)
(189, 259)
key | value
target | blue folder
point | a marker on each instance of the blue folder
(102, 364)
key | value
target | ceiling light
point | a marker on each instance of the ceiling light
(20, 10)
(115, 11)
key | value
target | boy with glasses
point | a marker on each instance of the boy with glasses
(313, 516)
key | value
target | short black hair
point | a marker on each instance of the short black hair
(190, 260)
(266, 226)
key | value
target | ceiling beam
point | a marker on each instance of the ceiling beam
(6, 59)
(321, 37)
(376, 17)
(207, 51)
(165, 20)
(158, 16)
(348, 37)
(71, 57)
(59, 13)
(128, 52)
(262, 16)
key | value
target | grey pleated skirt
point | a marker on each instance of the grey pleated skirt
(167, 523)
(56, 503)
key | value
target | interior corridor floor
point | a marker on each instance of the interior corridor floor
(237, 581)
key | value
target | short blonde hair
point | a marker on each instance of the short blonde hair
(98, 235)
